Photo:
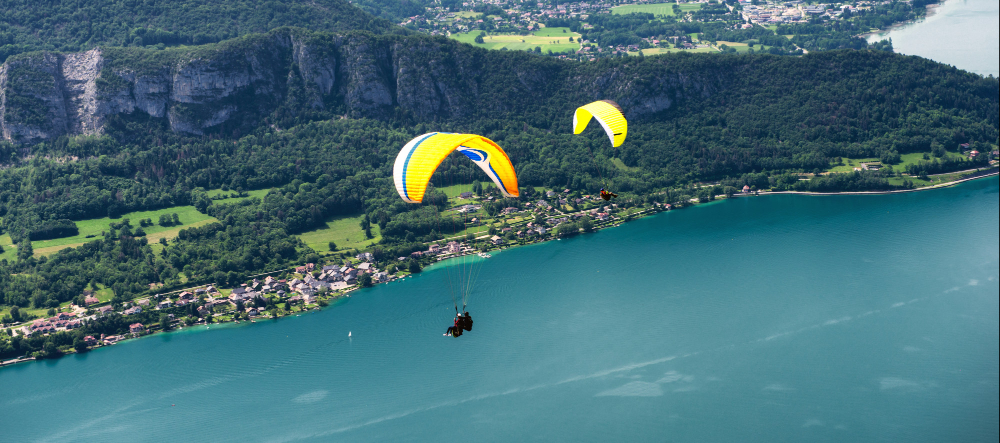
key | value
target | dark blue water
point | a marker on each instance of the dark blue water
(779, 318)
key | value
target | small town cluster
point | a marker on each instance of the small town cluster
(796, 11)
(491, 19)
(501, 16)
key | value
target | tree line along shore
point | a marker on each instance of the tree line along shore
(92, 323)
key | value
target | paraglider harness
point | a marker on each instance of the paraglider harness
(607, 195)
(456, 329)
(462, 321)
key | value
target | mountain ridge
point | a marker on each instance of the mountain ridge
(242, 82)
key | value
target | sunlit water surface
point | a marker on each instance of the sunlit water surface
(779, 318)
(961, 33)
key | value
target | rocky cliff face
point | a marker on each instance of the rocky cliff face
(47, 95)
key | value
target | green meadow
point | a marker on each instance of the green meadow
(655, 9)
(92, 229)
(656, 51)
(232, 197)
(904, 160)
(549, 39)
(345, 231)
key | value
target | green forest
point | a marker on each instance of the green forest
(756, 120)
(81, 25)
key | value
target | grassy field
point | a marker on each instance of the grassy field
(9, 251)
(739, 47)
(345, 231)
(655, 51)
(655, 9)
(549, 39)
(455, 190)
(188, 216)
(905, 159)
(230, 195)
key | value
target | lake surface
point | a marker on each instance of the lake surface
(961, 33)
(777, 318)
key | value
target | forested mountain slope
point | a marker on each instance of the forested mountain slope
(290, 74)
(319, 117)
(81, 25)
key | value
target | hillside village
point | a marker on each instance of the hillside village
(506, 17)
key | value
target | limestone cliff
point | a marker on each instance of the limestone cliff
(240, 82)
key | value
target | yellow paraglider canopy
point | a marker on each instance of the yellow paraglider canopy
(608, 114)
(418, 160)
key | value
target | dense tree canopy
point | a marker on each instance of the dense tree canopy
(79, 25)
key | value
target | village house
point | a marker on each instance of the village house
(465, 195)
(136, 328)
(365, 267)
(454, 246)
(90, 340)
(366, 256)
(434, 249)
(104, 310)
(144, 302)
(338, 285)
(110, 339)
(133, 310)
(89, 300)
(496, 240)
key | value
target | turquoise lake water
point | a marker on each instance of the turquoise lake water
(961, 33)
(761, 319)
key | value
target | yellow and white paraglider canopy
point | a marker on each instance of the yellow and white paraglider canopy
(418, 160)
(608, 114)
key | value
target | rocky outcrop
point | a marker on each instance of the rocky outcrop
(242, 82)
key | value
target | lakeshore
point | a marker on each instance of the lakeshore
(270, 292)
(874, 315)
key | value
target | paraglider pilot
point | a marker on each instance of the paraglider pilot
(607, 195)
(467, 321)
(456, 329)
